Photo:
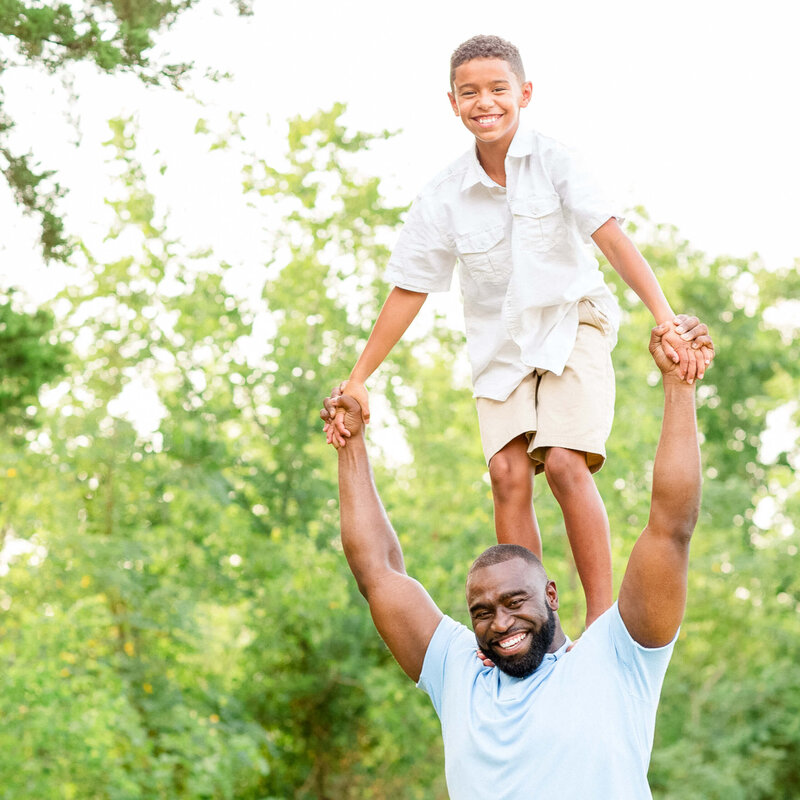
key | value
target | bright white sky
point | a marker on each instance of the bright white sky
(689, 108)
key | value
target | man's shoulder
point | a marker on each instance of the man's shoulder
(609, 640)
(451, 640)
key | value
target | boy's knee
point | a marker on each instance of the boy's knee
(509, 475)
(564, 467)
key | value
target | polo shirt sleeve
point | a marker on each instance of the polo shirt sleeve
(580, 193)
(451, 644)
(423, 259)
(645, 667)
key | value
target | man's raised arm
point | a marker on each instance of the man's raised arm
(402, 610)
(652, 597)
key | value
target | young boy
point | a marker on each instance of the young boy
(516, 212)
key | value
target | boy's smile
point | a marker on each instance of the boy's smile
(488, 96)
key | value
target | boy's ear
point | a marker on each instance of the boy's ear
(527, 93)
(453, 103)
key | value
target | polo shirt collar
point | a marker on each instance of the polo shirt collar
(560, 652)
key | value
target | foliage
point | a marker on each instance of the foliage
(113, 35)
(28, 360)
(176, 617)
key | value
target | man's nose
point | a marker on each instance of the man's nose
(502, 620)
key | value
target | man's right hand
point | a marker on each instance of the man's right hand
(336, 429)
(342, 415)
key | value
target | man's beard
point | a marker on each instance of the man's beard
(521, 666)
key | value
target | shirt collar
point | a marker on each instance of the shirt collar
(560, 652)
(474, 172)
(521, 146)
(522, 143)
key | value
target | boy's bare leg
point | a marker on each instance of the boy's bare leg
(511, 473)
(586, 522)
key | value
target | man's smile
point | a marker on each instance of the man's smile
(513, 643)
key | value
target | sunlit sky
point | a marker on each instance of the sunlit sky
(691, 109)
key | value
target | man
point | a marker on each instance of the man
(546, 721)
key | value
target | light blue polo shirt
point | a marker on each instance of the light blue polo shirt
(579, 727)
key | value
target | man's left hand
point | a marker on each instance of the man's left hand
(687, 344)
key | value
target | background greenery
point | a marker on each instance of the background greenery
(176, 616)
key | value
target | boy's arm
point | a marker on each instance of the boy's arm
(403, 612)
(398, 312)
(632, 267)
(652, 597)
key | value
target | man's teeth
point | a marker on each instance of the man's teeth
(512, 641)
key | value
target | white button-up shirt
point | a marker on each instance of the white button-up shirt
(524, 255)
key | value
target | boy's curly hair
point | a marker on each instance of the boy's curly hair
(487, 47)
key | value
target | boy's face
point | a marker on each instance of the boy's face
(488, 96)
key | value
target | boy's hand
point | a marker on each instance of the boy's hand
(687, 344)
(336, 429)
(663, 355)
(358, 392)
(695, 332)
(345, 408)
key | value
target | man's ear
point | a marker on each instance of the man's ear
(453, 103)
(551, 595)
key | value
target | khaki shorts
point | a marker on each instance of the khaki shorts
(573, 410)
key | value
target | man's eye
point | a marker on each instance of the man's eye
(514, 603)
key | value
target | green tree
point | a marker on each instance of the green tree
(28, 360)
(113, 36)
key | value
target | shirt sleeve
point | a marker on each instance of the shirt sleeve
(450, 641)
(423, 259)
(579, 191)
(644, 667)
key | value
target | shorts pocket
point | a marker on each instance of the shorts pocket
(590, 313)
(539, 221)
(485, 255)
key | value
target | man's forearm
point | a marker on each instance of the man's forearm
(368, 539)
(676, 472)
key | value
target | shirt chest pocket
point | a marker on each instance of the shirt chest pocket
(538, 222)
(485, 255)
